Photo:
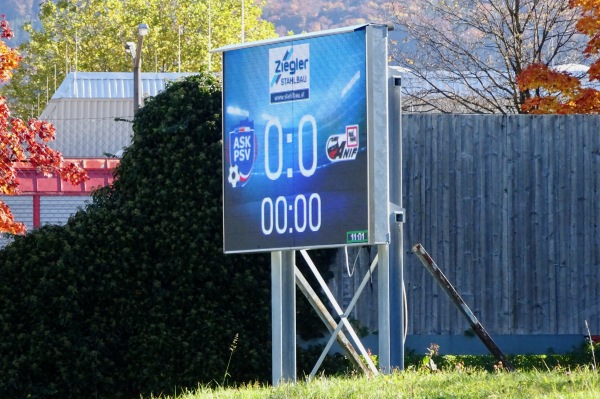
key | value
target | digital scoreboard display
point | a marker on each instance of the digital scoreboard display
(298, 167)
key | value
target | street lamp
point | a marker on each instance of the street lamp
(136, 55)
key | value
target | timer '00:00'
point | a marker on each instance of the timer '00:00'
(306, 213)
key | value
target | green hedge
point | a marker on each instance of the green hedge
(133, 295)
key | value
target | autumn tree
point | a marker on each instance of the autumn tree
(22, 141)
(90, 36)
(560, 92)
(464, 56)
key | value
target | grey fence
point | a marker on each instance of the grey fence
(509, 207)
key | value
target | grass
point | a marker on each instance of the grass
(434, 376)
(463, 384)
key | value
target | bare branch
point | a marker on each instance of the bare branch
(465, 55)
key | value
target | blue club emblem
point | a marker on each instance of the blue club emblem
(242, 149)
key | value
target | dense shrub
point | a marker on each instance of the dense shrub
(133, 295)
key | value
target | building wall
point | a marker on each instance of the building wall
(58, 209)
(49, 209)
(22, 209)
(90, 127)
(49, 200)
(93, 111)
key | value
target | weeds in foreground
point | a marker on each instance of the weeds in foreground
(428, 362)
(591, 345)
(232, 349)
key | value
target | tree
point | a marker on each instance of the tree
(559, 92)
(465, 55)
(22, 141)
(90, 36)
(134, 295)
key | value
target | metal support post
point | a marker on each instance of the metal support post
(397, 299)
(137, 76)
(136, 55)
(283, 299)
(383, 305)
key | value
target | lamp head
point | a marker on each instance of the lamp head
(143, 29)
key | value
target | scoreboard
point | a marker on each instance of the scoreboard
(305, 141)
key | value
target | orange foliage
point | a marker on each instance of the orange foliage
(563, 93)
(24, 141)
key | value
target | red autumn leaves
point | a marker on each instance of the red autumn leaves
(559, 92)
(22, 141)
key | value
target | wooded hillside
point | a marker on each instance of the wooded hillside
(295, 15)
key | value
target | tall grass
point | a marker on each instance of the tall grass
(591, 345)
(566, 376)
(582, 383)
(232, 349)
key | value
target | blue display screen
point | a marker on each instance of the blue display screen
(295, 164)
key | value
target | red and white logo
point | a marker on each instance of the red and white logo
(343, 147)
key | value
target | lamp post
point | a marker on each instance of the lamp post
(136, 54)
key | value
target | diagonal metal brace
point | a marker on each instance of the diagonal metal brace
(344, 322)
(443, 282)
(329, 321)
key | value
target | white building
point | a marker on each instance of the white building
(92, 113)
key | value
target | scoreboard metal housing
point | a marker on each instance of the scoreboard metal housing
(305, 151)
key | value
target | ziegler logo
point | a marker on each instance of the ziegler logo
(343, 147)
(284, 65)
(241, 153)
(289, 73)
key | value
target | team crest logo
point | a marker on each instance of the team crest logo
(343, 147)
(241, 153)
